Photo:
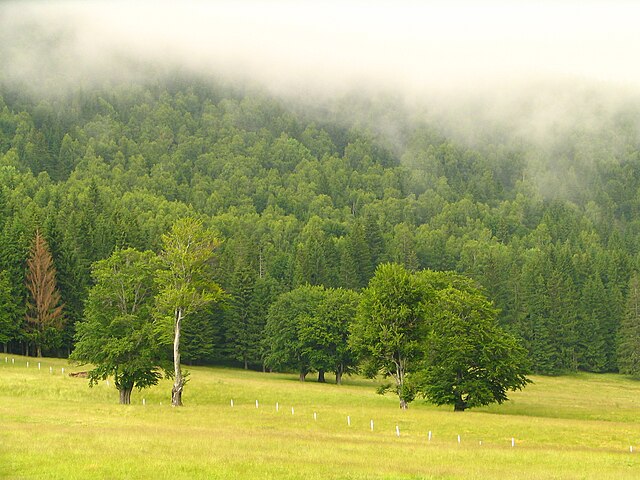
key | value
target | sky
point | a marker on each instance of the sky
(409, 45)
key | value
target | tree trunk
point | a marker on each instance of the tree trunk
(178, 380)
(5, 347)
(339, 372)
(459, 405)
(321, 376)
(246, 364)
(39, 350)
(399, 376)
(125, 396)
(302, 376)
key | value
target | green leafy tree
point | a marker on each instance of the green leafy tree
(326, 335)
(185, 284)
(117, 334)
(285, 348)
(471, 361)
(390, 328)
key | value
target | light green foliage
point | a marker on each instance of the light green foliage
(116, 335)
(185, 280)
(391, 327)
(185, 284)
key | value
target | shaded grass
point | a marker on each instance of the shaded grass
(54, 426)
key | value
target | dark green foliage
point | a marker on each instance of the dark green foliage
(628, 346)
(307, 330)
(550, 232)
(285, 350)
(9, 319)
(471, 361)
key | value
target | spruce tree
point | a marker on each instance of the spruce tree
(629, 334)
(44, 313)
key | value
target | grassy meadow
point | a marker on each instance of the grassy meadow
(53, 426)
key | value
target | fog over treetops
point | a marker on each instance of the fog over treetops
(423, 50)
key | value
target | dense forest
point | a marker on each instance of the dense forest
(550, 230)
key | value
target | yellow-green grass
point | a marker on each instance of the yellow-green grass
(55, 426)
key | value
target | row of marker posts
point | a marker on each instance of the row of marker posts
(13, 362)
(371, 424)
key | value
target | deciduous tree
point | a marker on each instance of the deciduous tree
(185, 283)
(116, 335)
(391, 327)
(470, 360)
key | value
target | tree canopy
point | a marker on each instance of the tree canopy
(117, 334)
(550, 231)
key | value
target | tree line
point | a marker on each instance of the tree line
(551, 234)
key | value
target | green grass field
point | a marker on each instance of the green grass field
(55, 426)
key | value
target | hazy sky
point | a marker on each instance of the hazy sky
(416, 46)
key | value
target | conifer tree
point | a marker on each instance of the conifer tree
(629, 333)
(44, 309)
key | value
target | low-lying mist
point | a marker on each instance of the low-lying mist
(530, 70)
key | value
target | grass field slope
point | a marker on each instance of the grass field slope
(53, 426)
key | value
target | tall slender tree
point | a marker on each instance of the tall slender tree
(44, 312)
(186, 283)
(629, 333)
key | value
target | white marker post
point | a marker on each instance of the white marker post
(6, 360)
(38, 365)
(13, 361)
(458, 439)
(108, 382)
(62, 370)
(232, 403)
(348, 421)
(27, 364)
(277, 407)
(144, 402)
(315, 416)
(513, 442)
(630, 448)
(371, 424)
(256, 403)
(50, 369)
(429, 436)
(292, 412)
(397, 431)
(480, 442)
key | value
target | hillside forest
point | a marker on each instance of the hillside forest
(300, 196)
